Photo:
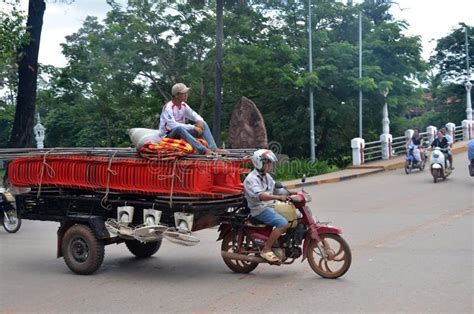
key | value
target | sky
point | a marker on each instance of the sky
(431, 19)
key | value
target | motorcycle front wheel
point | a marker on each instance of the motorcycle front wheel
(422, 164)
(11, 221)
(229, 245)
(435, 173)
(407, 167)
(332, 259)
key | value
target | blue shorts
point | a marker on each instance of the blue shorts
(270, 217)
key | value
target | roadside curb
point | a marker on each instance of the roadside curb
(315, 181)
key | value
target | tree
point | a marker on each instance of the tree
(450, 54)
(122, 69)
(12, 37)
(22, 131)
(450, 68)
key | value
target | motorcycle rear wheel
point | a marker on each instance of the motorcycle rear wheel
(338, 255)
(237, 266)
(12, 223)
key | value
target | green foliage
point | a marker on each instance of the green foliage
(120, 71)
(7, 113)
(450, 54)
(12, 37)
(295, 169)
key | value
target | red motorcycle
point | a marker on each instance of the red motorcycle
(243, 238)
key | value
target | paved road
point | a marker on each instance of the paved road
(412, 243)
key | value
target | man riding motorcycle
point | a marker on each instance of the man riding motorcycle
(442, 143)
(258, 188)
(417, 140)
(470, 156)
(449, 138)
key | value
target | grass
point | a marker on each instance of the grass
(294, 169)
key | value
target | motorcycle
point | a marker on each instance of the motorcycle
(411, 163)
(438, 164)
(243, 238)
(470, 157)
(10, 218)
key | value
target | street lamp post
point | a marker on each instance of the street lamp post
(468, 84)
(386, 137)
(360, 74)
(311, 105)
(385, 120)
(38, 130)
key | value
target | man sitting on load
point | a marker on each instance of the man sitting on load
(173, 122)
(258, 188)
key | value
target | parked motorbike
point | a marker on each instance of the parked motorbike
(411, 163)
(10, 217)
(470, 157)
(439, 165)
(243, 238)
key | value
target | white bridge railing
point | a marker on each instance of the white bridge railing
(389, 147)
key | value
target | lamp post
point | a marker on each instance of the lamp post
(38, 130)
(311, 105)
(386, 137)
(468, 84)
(385, 120)
(360, 74)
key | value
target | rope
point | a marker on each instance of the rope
(160, 177)
(172, 182)
(103, 202)
(50, 171)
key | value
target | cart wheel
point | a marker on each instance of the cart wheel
(141, 250)
(82, 251)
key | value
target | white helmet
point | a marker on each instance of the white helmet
(262, 155)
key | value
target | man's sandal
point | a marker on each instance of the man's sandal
(269, 256)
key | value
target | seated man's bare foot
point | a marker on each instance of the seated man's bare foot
(208, 152)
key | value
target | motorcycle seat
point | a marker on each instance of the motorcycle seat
(253, 222)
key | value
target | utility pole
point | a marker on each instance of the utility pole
(360, 73)
(311, 106)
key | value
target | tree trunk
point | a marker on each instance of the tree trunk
(218, 69)
(22, 131)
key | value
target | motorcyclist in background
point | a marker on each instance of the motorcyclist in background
(417, 140)
(441, 142)
(450, 143)
(470, 156)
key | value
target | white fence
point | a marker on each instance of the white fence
(364, 152)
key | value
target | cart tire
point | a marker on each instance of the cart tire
(82, 251)
(142, 250)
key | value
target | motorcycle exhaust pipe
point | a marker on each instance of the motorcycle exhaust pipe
(243, 257)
